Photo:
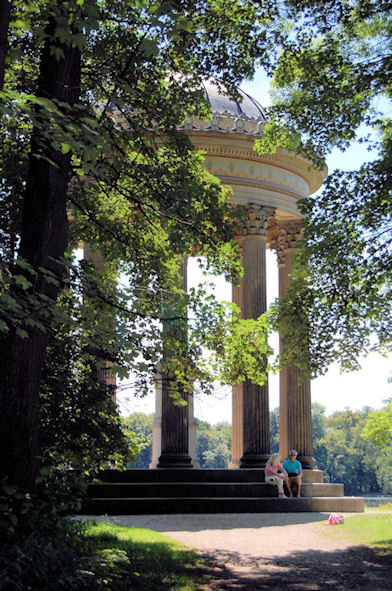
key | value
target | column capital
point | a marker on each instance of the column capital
(256, 222)
(286, 236)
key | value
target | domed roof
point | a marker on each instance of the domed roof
(245, 116)
(222, 105)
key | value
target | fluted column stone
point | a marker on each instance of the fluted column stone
(255, 403)
(174, 437)
(295, 424)
(237, 443)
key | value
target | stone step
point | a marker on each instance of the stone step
(196, 475)
(182, 489)
(204, 489)
(160, 505)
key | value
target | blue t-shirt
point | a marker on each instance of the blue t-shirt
(292, 467)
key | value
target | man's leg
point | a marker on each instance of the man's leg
(288, 485)
(298, 482)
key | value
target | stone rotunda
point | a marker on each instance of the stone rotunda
(268, 187)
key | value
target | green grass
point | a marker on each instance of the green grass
(368, 529)
(139, 559)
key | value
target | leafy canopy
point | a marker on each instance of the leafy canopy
(332, 85)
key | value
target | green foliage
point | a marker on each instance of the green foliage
(274, 430)
(345, 456)
(378, 427)
(378, 430)
(318, 421)
(213, 445)
(332, 85)
(139, 426)
(39, 547)
(42, 549)
(80, 424)
(139, 191)
(243, 353)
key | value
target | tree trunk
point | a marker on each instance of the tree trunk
(5, 14)
(43, 238)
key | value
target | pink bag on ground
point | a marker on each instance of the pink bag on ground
(334, 519)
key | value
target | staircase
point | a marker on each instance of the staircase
(164, 491)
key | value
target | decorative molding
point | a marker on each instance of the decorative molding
(286, 161)
(282, 159)
(257, 219)
(226, 122)
(286, 236)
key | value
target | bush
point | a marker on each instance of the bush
(40, 547)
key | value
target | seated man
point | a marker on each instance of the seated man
(294, 470)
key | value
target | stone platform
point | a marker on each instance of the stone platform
(168, 491)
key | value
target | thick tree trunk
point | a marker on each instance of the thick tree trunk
(5, 14)
(43, 238)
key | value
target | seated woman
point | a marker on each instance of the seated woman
(275, 474)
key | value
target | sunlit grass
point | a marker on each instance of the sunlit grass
(365, 529)
(141, 559)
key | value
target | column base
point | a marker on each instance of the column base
(175, 460)
(308, 462)
(254, 460)
(234, 465)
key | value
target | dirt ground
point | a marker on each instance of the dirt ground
(272, 551)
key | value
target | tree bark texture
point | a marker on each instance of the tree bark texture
(5, 15)
(43, 239)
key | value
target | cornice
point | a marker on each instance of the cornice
(225, 147)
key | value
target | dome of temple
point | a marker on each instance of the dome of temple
(221, 104)
(245, 116)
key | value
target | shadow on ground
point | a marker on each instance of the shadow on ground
(357, 568)
(204, 521)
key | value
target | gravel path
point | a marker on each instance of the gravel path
(252, 534)
(280, 551)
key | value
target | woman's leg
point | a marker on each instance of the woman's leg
(277, 481)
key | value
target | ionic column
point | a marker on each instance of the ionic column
(295, 425)
(174, 422)
(255, 404)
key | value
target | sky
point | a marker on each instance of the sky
(368, 386)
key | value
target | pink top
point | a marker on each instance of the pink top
(273, 469)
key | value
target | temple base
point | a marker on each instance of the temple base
(175, 460)
(253, 461)
(148, 492)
